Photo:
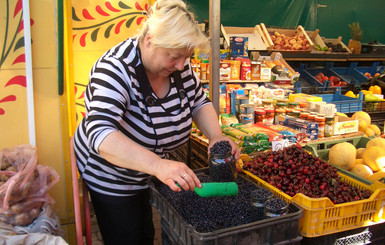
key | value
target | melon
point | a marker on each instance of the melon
(362, 125)
(369, 132)
(378, 141)
(360, 152)
(362, 115)
(362, 170)
(374, 157)
(375, 129)
(343, 155)
(377, 176)
(358, 161)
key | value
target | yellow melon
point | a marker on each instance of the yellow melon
(362, 115)
(358, 161)
(362, 170)
(360, 152)
(375, 129)
(378, 141)
(343, 155)
(362, 125)
(374, 157)
(369, 132)
(377, 176)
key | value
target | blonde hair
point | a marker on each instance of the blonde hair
(172, 25)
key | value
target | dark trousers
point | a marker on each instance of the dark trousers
(124, 220)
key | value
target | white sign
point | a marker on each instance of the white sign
(279, 144)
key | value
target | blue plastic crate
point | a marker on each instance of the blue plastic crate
(375, 68)
(350, 74)
(344, 104)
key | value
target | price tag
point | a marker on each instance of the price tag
(279, 144)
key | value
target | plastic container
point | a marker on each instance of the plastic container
(279, 230)
(322, 217)
(344, 104)
(222, 167)
(321, 150)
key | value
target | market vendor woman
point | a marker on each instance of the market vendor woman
(141, 100)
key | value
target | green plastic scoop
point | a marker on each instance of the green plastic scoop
(217, 189)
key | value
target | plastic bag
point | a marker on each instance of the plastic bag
(18, 167)
(23, 213)
(25, 185)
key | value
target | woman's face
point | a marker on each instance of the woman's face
(164, 61)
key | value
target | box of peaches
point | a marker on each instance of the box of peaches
(285, 40)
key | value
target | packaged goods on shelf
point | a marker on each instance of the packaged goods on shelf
(310, 128)
(257, 131)
(239, 47)
(301, 97)
(281, 72)
(255, 41)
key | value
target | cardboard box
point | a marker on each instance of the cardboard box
(345, 125)
(300, 97)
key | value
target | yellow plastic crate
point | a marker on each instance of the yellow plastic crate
(322, 217)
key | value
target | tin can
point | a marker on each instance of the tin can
(246, 108)
(246, 118)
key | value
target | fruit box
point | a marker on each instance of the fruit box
(350, 74)
(318, 43)
(322, 217)
(321, 150)
(345, 125)
(290, 74)
(277, 230)
(267, 33)
(255, 41)
(335, 42)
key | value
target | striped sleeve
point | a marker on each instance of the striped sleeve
(108, 100)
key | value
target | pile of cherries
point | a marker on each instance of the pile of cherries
(293, 170)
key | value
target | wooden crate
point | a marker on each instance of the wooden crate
(255, 41)
(337, 41)
(268, 32)
(317, 41)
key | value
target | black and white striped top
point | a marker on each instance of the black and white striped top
(114, 101)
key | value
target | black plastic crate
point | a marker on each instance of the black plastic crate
(278, 230)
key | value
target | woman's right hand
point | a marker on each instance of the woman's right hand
(171, 172)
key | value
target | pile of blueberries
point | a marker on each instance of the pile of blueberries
(207, 214)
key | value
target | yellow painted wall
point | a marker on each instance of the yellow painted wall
(115, 20)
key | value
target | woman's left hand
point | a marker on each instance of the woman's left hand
(234, 148)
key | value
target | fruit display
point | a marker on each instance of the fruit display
(289, 42)
(334, 80)
(293, 170)
(368, 162)
(214, 213)
(365, 124)
(336, 47)
(356, 33)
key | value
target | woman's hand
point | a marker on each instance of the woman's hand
(234, 148)
(172, 172)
